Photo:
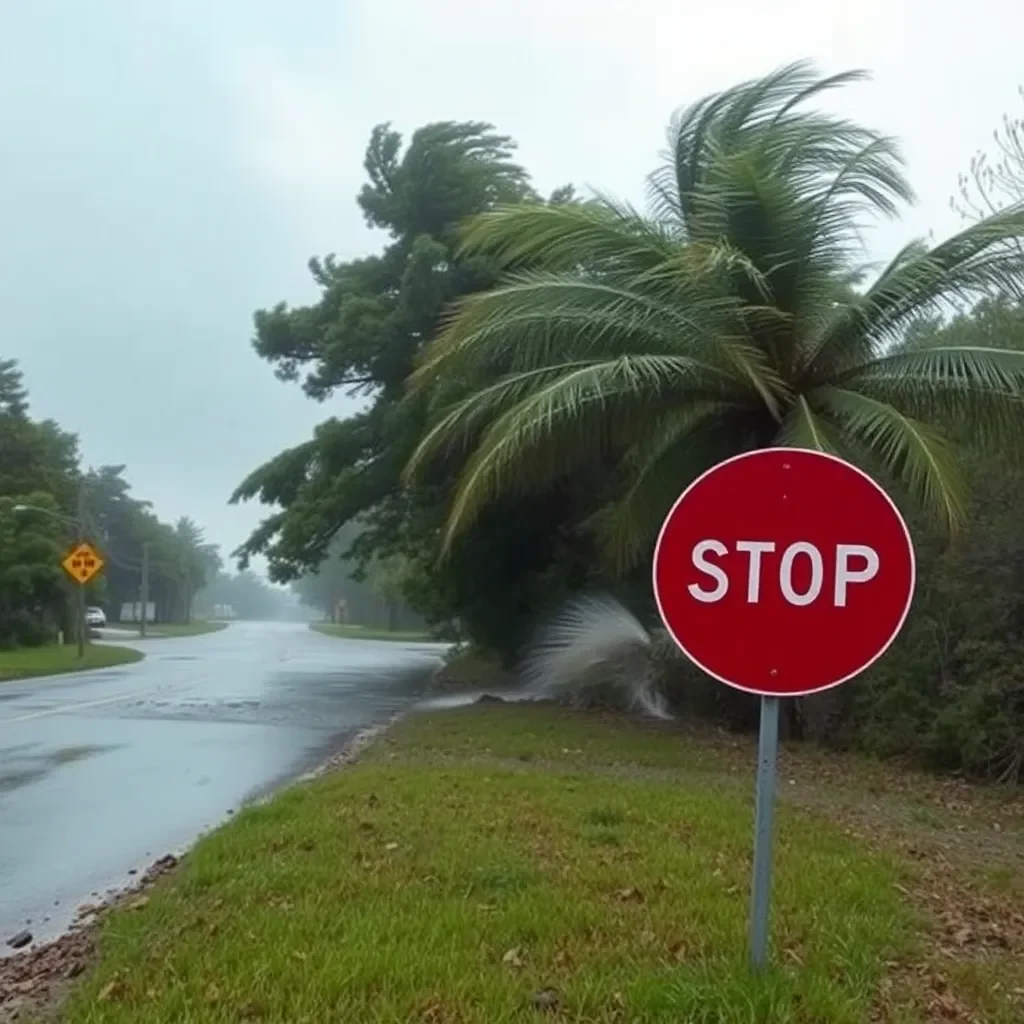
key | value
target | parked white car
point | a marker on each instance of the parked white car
(95, 617)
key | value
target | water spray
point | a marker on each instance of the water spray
(593, 645)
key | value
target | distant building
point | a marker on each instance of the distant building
(131, 611)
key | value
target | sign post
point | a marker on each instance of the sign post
(782, 572)
(764, 816)
(82, 563)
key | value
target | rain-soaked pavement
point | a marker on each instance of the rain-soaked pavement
(103, 772)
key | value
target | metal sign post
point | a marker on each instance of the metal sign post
(764, 816)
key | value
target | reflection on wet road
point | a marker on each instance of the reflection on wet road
(103, 772)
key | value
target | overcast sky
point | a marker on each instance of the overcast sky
(167, 167)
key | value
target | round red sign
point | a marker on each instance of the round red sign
(784, 571)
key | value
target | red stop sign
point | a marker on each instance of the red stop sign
(784, 571)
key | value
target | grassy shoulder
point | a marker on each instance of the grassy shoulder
(164, 629)
(348, 632)
(25, 662)
(497, 863)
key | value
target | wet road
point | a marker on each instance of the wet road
(103, 772)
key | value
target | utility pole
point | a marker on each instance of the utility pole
(144, 594)
(80, 609)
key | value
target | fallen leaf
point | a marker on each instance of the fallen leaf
(678, 951)
(391, 846)
(630, 895)
(514, 958)
(138, 903)
(111, 990)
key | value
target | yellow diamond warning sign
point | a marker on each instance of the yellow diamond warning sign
(82, 563)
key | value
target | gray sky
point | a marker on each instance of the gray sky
(168, 167)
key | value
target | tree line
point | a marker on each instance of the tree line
(542, 375)
(368, 595)
(49, 500)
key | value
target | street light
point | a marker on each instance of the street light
(49, 512)
(80, 530)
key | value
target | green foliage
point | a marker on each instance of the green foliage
(951, 690)
(32, 584)
(37, 465)
(35, 456)
(364, 335)
(722, 321)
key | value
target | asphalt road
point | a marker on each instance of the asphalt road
(103, 772)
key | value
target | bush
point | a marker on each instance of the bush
(24, 628)
(980, 724)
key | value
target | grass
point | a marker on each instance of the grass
(469, 668)
(474, 858)
(25, 662)
(167, 629)
(368, 633)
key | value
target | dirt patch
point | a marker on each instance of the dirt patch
(33, 982)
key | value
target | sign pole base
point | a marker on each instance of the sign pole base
(761, 881)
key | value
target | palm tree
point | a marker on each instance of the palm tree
(732, 317)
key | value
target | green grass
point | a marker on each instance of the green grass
(25, 662)
(472, 858)
(165, 629)
(368, 633)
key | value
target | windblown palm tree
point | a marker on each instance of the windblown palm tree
(731, 317)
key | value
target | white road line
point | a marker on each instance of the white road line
(64, 708)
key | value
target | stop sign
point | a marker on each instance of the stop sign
(784, 571)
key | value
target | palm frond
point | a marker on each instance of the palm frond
(576, 419)
(980, 389)
(919, 282)
(687, 443)
(566, 236)
(461, 424)
(720, 123)
(803, 427)
(816, 86)
(540, 318)
(870, 176)
(910, 452)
